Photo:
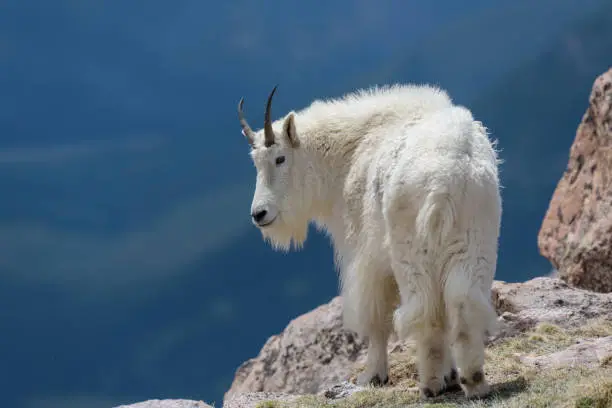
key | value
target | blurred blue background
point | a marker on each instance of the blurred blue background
(129, 268)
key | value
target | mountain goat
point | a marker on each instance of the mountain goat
(406, 183)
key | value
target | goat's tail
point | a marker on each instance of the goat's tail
(435, 220)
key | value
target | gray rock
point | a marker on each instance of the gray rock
(167, 403)
(587, 353)
(342, 390)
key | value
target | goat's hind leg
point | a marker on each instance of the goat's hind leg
(434, 360)
(419, 319)
(471, 316)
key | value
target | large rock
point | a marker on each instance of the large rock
(576, 231)
(314, 355)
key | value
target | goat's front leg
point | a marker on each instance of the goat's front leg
(369, 299)
(377, 366)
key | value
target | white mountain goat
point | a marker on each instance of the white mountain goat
(406, 183)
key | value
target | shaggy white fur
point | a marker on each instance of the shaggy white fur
(406, 183)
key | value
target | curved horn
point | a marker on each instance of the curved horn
(268, 132)
(246, 129)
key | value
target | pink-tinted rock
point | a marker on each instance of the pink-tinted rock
(577, 229)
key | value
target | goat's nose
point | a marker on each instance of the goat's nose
(259, 215)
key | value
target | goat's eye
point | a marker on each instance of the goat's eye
(280, 160)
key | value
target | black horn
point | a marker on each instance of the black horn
(246, 129)
(268, 132)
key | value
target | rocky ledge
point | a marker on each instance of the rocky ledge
(314, 355)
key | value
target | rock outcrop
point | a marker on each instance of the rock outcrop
(314, 355)
(577, 229)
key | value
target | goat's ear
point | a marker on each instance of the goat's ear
(289, 131)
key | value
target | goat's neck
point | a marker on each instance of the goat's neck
(327, 158)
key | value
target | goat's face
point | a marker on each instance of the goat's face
(273, 188)
(277, 201)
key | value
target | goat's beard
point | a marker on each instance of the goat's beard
(283, 233)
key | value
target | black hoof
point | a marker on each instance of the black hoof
(477, 378)
(377, 382)
(451, 378)
(450, 381)
(428, 393)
